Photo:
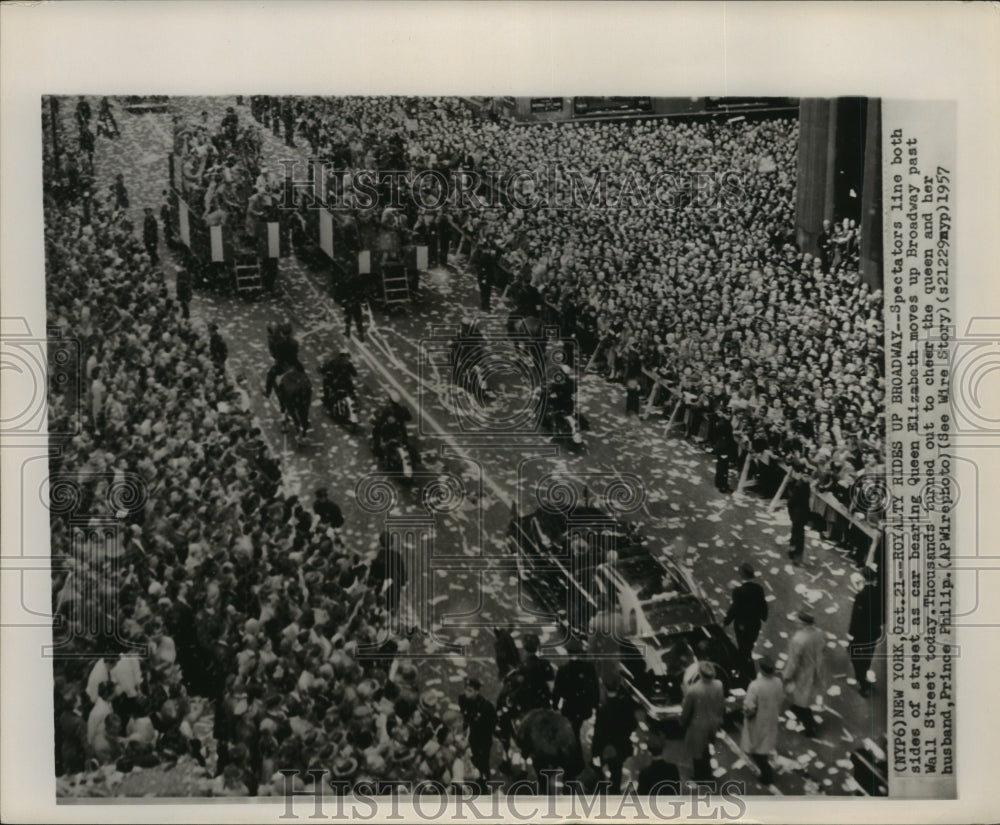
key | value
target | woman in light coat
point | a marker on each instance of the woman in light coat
(701, 717)
(761, 713)
(803, 672)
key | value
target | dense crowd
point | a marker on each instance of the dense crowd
(220, 171)
(221, 597)
(716, 301)
(713, 297)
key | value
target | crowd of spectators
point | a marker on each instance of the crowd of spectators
(220, 596)
(713, 296)
(220, 170)
(714, 299)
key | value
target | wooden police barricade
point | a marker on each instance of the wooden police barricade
(218, 253)
(673, 416)
(271, 247)
(183, 223)
(654, 390)
(270, 243)
(745, 473)
(872, 532)
(326, 232)
(200, 241)
(432, 248)
(781, 489)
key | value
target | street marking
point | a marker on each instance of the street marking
(376, 365)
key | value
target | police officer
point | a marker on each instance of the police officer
(327, 510)
(865, 629)
(725, 451)
(577, 692)
(538, 677)
(390, 425)
(184, 291)
(339, 373)
(230, 125)
(527, 298)
(151, 235)
(388, 573)
(443, 237)
(747, 612)
(480, 718)
(485, 265)
(352, 294)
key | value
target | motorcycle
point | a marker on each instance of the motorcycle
(342, 405)
(396, 459)
(391, 443)
(564, 425)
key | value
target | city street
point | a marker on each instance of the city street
(468, 583)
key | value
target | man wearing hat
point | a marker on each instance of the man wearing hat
(613, 726)
(480, 720)
(701, 717)
(798, 511)
(865, 629)
(803, 673)
(577, 692)
(761, 714)
(539, 677)
(387, 573)
(327, 510)
(659, 777)
(747, 612)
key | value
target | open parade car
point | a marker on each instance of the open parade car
(599, 576)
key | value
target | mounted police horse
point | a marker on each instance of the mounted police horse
(288, 378)
(294, 392)
(541, 734)
(547, 738)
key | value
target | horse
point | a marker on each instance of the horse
(505, 652)
(294, 391)
(541, 734)
(547, 738)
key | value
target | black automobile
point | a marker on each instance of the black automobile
(599, 575)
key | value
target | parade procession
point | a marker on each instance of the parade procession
(477, 442)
